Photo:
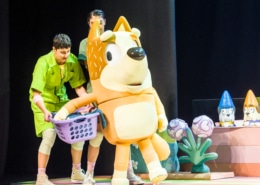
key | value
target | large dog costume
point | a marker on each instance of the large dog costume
(122, 89)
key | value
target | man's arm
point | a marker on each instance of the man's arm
(80, 90)
(38, 100)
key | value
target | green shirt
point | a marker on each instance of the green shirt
(82, 50)
(48, 80)
(82, 58)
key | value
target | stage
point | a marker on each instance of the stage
(223, 178)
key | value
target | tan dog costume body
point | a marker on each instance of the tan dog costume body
(122, 89)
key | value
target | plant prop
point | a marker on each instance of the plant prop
(202, 127)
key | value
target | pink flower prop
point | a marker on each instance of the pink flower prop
(202, 126)
(177, 128)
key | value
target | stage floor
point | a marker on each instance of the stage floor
(179, 179)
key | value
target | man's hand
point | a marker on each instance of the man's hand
(47, 116)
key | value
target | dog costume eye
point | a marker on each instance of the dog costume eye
(109, 56)
(112, 53)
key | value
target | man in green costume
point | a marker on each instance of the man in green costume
(48, 94)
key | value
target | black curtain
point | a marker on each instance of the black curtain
(4, 83)
(218, 48)
(32, 27)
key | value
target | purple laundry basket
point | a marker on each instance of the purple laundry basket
(77, 128)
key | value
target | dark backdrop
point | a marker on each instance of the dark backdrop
(4, 83)
(217, 49)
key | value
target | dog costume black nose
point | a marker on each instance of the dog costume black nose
(136, 53)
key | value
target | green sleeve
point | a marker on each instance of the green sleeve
(39, 75)
(82, 50)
